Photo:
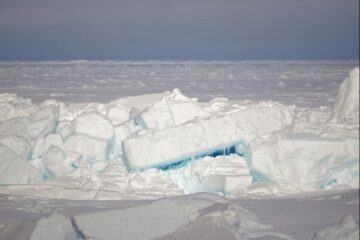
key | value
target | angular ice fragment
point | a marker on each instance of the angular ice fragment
(15, 170)
(118, 115)
(122, 132)
(40, 123)
(94, 124)
(65, 129)
(54, 160)
(88, 147)
(347, 102)
(6, 111)
(44, 143)
(173, 109)
(17, 144)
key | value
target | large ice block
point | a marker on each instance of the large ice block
(202, 136)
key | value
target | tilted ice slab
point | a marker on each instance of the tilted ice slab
(202, 136)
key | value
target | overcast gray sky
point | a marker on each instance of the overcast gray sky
(179, 30)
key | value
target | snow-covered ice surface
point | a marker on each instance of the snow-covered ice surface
(278, 139)
(305, 83)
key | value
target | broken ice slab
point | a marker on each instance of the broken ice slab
(202, 136)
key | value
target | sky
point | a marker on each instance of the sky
(179, 29)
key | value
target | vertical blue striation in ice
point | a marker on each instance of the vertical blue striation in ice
(240, 148)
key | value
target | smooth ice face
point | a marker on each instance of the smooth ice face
(15, 170)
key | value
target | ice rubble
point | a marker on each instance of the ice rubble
(171, 144)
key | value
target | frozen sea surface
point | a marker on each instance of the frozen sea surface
(304, 83)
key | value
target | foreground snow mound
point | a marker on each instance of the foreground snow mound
(201, 216)
(57, 226)
(176, 218)
(347, 229)
(347, 102)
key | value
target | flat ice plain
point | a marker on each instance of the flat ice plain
(179, 150)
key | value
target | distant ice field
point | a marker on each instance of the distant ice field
(303, 83)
